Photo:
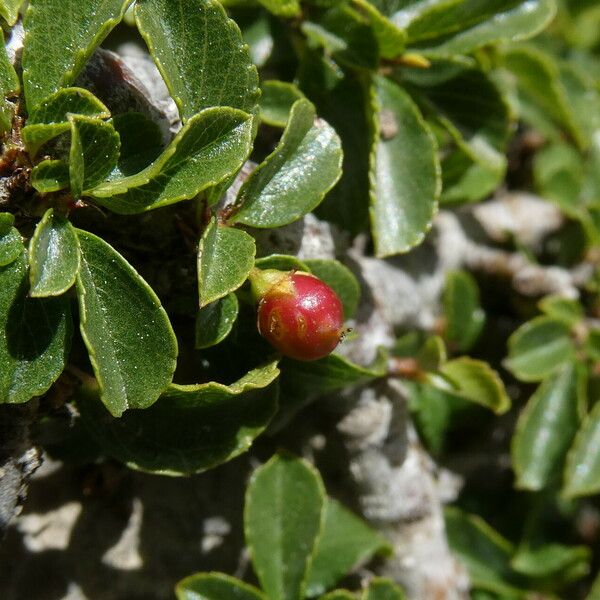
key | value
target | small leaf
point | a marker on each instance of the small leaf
(225, 259)
(283, 516)
(547, 426)
(462, 309)
(128, 335)
(53, 256)
(391, 39)
(563, 309)
(582, 471)
(210, 147)
(383, 589)
(294, 179)
(191, 428)
(431, 356)
(568, 563)
(50, 176)
(339, 595)
(538, 348)
(215, 321)
(345, 543)
(276, 102)
(405, 173)
(282, 262)
(216, 586)
(35, 336)
(475, 380)
(484, 552)
(9, 9)
(340, 279)
(595, 591)
(11, 243)
(9, 85)
(51, 118)
(512, 22)
(94, 152)
(201, 55)
(282, 8)
(54, 53)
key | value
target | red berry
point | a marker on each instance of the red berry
(301, 316)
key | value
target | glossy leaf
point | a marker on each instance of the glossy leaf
(210, 147)
(341, 279)
(9, 9)
(54, 53)
(568, 563)
(276, 102)
(9, 85)
(282, 8)
(475, 28)
(128, 335)
(345, 543)
(538, 348)
(51, 117)
(390, 38)
(225, 259)
(94, 152)
(339, 595)
(383, 589)
(216, 586)
(582, 471)
(475, 380)
(547, 426)
(191, 428)
(406, 173)
(35, 336)
(283, 516)
(462, 309)
(215, 321)
(50, 176)
(201, 55)
(282, 262)
(294, 179)
(53, 256)
(11, 243)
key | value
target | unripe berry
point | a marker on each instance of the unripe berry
(298, 314)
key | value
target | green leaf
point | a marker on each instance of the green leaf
(383, 589)
(210, 148)
(282, 8)
(340, 279)
(50, 176)
(35, 336)
(345, 543)
(94, 152)
(566, 310)
(391, 39)
(283, 516)
(200, 54)
(539, 83)
(547, 426)
(569, 563)
(276, 102)
(484, 552)
(9, 85)
(431, 356)
(9, 9)
(51, 117)
(215, 321)
(128, 335)
(216, 586)
(339, 595)
(462, 309)
(53, 52)
(538, 348)
(346, 35)
(405, 173)
(281, 262)
(595, 591)
(512, 21)
(53, 256)
(225, 259)
(11, 243)
(295, 177)
(475, 380)
(141, 143)
(582, 471)
(191, 428)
